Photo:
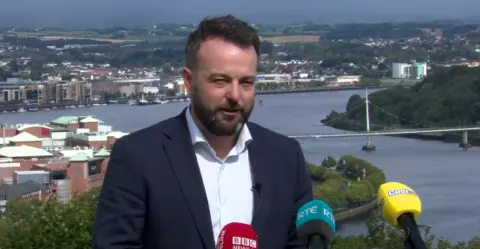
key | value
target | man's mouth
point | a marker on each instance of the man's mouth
(230, 112)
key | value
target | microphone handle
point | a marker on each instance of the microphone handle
(411, 228)
(315, 241)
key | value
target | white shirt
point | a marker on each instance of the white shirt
(228, 182)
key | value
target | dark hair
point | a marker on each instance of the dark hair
(226, 27)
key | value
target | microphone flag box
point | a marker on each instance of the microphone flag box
(315, 217)
(395, 199)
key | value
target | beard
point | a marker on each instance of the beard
(215, 121)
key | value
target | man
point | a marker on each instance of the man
(175, 184)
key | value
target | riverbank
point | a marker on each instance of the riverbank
(320, 89)
(348, 185)
(355, 212)
(20, 107)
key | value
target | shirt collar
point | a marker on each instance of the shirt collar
(197, 137)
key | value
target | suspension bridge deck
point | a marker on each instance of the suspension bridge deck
(389, 132)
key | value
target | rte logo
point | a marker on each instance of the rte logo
(308, 211)
(329, 215)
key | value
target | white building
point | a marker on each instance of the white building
(416, 70)
(401, 70)
(345, 80)
(150, 89)
(273, 78)
(420, 69)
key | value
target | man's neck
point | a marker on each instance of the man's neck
(220, 144)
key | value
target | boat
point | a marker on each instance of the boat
(142, 101)
(132, 102)
(158, 101)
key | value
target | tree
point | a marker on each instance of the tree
(354, 102)
(13, 65)
(329, 162)
(31, 225)
(359, 193)
(445, 98)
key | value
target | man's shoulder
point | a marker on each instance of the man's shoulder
(269, 136)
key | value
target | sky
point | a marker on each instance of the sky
(108, 13)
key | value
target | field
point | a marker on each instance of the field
(51, 38)
(87, 35)
(292, 39)
(53, 34)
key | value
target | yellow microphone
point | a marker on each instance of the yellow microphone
(402, 207)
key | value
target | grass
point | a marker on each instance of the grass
(90, 35)
(48, 35)
(292, 39)
(51, 38)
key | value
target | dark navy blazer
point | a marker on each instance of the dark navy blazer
(153, 196)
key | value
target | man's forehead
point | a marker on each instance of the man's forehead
(222, 45)
(211, 73)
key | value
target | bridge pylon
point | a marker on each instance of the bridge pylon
(464, 144)
(369, 146)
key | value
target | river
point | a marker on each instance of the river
(444, 176)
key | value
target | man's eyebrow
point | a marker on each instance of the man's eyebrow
(249, 77)
(219, 75)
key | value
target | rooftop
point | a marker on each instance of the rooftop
(23, 151)
(116, 134)
(80, 157)
(26, 126)
(75, 151)
(102, 153)
(65, 120)
(25, 137)
(17, 190)
(31, 172)
(89, 119)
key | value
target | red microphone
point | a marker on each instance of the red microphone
(237, 236)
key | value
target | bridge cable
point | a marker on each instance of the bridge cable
(341, 115)
(403, 119)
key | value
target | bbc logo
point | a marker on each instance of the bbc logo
(244, 242)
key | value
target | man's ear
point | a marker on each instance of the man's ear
(187, 79)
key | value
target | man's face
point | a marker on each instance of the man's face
(222, 86)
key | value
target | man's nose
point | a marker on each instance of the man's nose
(234, 91)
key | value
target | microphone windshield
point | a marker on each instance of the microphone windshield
(237, 235)
(395, 199)
(316, 217)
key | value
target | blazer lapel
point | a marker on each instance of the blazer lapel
(178, 147)
(261, 175)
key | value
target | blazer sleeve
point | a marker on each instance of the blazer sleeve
(119, 220)
(303, 194)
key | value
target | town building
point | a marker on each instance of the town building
(10, 90)
(25, 191)
(344, 80)
(45, 92)
(64, 157)
(417, 70)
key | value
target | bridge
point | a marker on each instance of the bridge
(369, 146)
